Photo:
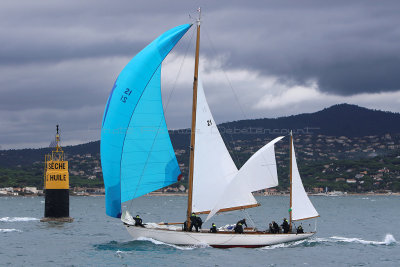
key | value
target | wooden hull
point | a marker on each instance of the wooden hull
(218, 240)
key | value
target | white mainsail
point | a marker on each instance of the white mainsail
(259, 172)
(214, 168)
(302, 208)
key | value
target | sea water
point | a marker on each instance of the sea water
(352, 231)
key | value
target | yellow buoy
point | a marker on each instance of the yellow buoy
(56, 185)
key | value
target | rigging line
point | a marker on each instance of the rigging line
(248, 217)
(179, 72)
(236, 98)
(177, 76)
(226, 76)
(161, 120)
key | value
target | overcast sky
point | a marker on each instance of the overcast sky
(59, 60)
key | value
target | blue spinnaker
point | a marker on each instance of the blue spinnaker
(137, 156)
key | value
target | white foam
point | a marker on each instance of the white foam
(167, 244)
(120, 254)
(17, 219)
(283, 245)
(388, 240)
(9, 230)
(291, 244)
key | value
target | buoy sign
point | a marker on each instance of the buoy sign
(57, 165)
(57, 176)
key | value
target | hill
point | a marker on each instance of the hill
(344, 147)
(338, 120)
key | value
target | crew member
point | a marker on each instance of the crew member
(285, 226)
(213, 228)
(195, 221)
(300, 229)
(276, 227)
(242, 222)
(138, 221)
(271, 229)
(239, 226)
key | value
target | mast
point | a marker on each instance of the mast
(193, 129)
(57, 140)
(291, 184)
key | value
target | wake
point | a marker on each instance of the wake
(156, 242)
(18, 219)
(9, 230)
(389, 240)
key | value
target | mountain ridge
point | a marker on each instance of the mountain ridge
(337, 120)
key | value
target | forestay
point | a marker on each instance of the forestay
(214, 168)
(136, 151)
(259, 172)
(302, 208)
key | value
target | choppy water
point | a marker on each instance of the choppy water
(352, 231)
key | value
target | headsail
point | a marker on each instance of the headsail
(213, 166)
(302, 208)
(259, 172)
(136, 152)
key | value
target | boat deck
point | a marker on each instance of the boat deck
(247, 231)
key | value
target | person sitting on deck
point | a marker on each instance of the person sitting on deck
(300, 229)
(138, 221)
(239, 226)
(213, 228)
(275, 227)
(285, 226)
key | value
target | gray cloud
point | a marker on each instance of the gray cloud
(59, 59)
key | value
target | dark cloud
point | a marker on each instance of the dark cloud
(59, 59)
(348, 48)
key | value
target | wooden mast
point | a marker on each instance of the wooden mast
(291, 184)
(193, 129)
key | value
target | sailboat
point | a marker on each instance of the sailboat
(137, 157)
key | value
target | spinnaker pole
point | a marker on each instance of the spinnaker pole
(193, 129)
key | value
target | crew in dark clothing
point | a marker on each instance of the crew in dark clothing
(138, 221)
(300, 229)
(239, 226)
(213, 228)
(285, 226)
(275, 227)
(185, 228)
(192, 221)
(271, 229)
(199, 222)
(195, 221)
(242, 222)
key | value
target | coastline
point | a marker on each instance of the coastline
(185, 194)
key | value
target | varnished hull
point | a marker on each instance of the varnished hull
(218, 240)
